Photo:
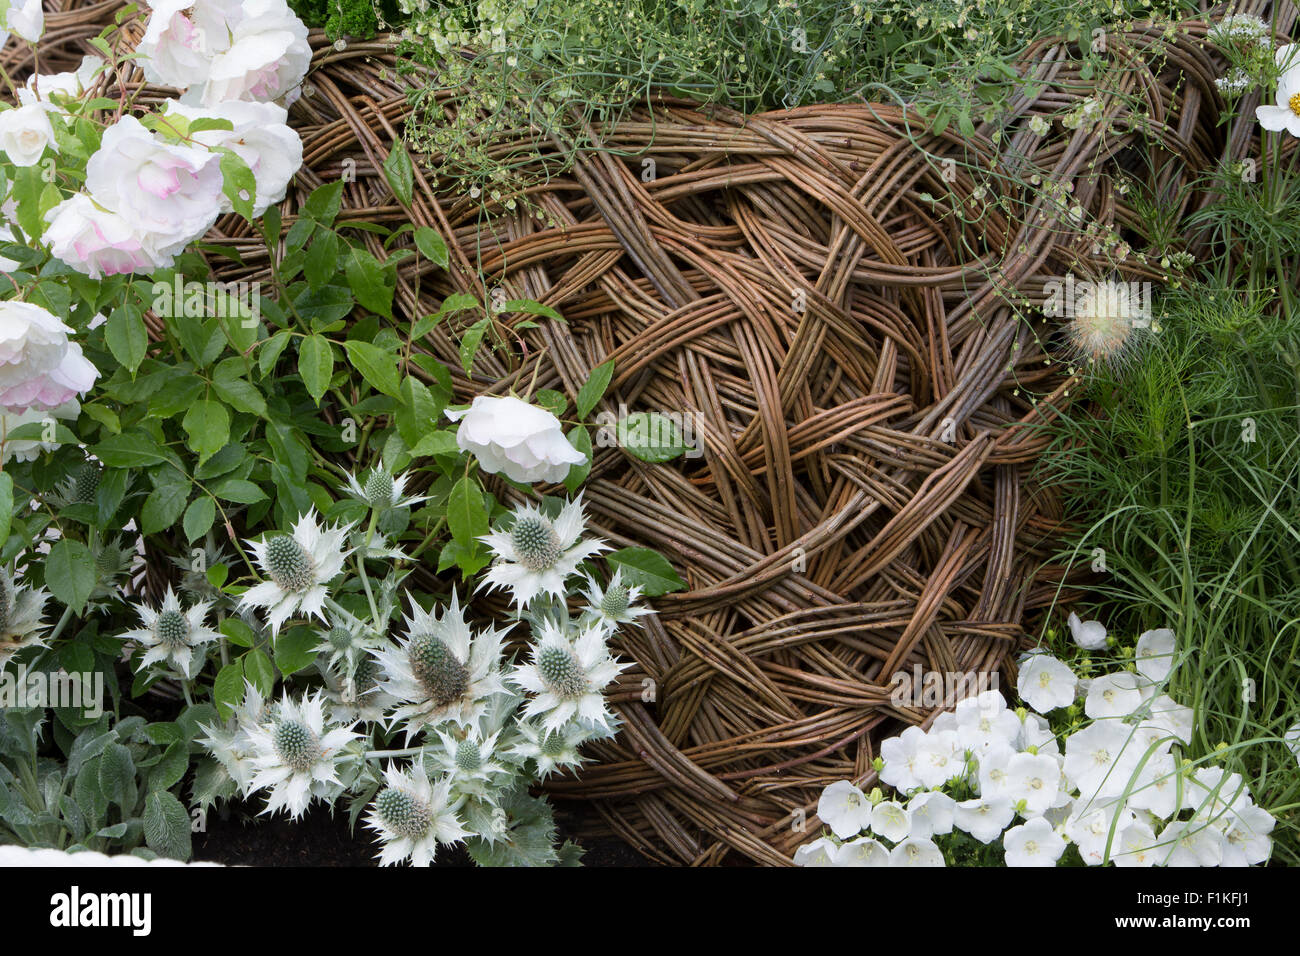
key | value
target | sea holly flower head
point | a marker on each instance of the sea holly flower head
(20, 617)
(298, 566)
(382, 490)
(173, 634)
(441, 671)
(413, 817)
(554, 751)
(566, 675)
(536, 556)
(296, 757)
(615, 603)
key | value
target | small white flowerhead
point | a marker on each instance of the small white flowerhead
(554, 751)
(1106, 320)
(614, 603)
(1045, 683)
(299, 566)
(901, 758)
(1285, 115)
(1154, 654)
(845, 809)
(412, 817)
(1292, 741)
(1034, 843)
(522, 441)
(1190, 843)
(1095, 828)
(1089, 635)
(863, 851)
(820, 852)
(536, 555)
(940, 757)
(931, 814)
(1112, 696)
(984, 818)
(382, 491)
(173, 634)
(20, 617)
(296, 757)
(1100, 758)
(891, 820)
(1032, 783)
(566, 676)
(916, 852)
(1137, 846)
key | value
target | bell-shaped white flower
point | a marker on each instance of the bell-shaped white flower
(863, 851)
(916, 852)
(1033, 843)
(1045, 683)
(984, 818)
(901, 756)
(931, 813)
(845, 809)
(1089, 635)
(1154, 654)
(1112, 696)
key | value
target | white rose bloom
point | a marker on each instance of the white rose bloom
(169, 192)
(182, 38)
(261, 137)
(24, 134)
(522, 441)
(39, 367)
(30, 449)
(42, 88)
(267, 58)
(27, 19)
(97, 242)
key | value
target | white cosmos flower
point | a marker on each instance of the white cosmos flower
(615, 603)
(1154, 654)
(521, 441)
(1034, 843)
(1112, 696)
(298, 567)
(29, 449)
(1032, 783)
(931, 813)
(984, 818)
(383, 491)
(916, 852)
(1089, 635)
(260, 136)
(566, 674)
(170, 633)
(40, 367)
(863, 851)
(412, 817)
(167, 191)
(1285, 115)
(1190, 843)
(1095, 829)
(820, 852)
(25, 131)
(441, 671)
(1045, 683)
(1137, 845)
(266, 59)
(26, 18)
(295, 756)
(536, 556)
(51, 90)
(97, 242)
(901, 756)
(20, 617)
(845, 809)
(891, 820)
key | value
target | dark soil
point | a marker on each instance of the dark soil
(237, 837)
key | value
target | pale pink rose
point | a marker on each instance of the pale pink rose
(260, 137)
(97, 242)
(267, 58)
(167, 192)
(39, 366)
(183, 36)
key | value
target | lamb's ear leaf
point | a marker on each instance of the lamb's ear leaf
(167, 826)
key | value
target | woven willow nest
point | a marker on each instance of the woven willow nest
(850, 355)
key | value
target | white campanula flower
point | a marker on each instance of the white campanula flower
(1162, 718)
(820, 852)
(1190, 843)
(26, 18)
(169, 192)
(53, 90)
(25, 132)
(298, 567)
(266, 58)
(20, 617)
(891, 820)
(992, 769)
(295, 756)
(863, 851)
(260, 136)
(1036, 732)
(916, 852)
(1045, 683)
(931, 813)
(1089, 635)
(1034, 843)
(1095, 828)
(1112, 696)
(97, 242)
(1246, 839)
(509, 436)
(40, 367)
(1032, 783)
(566, 675)
(1292, 741)
(1154, 654)
(984, 722)
(29, 449)
(1100, 758)
(1285, 115)
(901, 758)
(181, 38)
(615, 603)
(171, 633)
(554, 751)
(412, 817)
(1156, 787)
(536, 555)
(984, 818)
(1137, 845)
(940, 758)
(845, 809)
(441, 671)
(383, 491)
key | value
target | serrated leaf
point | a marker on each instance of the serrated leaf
(377, 366)
(228, 688)
(162, 509)
(651, 436)
(199, 517)
(207, 423)
(431, 246)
